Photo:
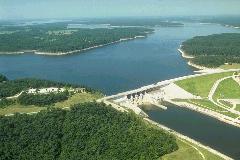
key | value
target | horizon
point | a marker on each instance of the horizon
(162, 18)
(60, 9)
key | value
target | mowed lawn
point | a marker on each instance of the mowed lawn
(186, 151)
(205, 103)
(78, 98)
(74, 99)
(232, 66)
(201, 86)
(238, 107)
(228, 89)
(17, 108)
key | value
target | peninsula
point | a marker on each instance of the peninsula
(58, 39)
(213, 51)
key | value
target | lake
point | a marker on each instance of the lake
(131, 64)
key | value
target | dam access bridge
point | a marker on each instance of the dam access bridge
(152, 94)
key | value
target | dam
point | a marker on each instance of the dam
(154, 94)
(166, 91)
(128, 65)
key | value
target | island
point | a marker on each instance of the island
(213, 51)
(58, 39)
(43, 119)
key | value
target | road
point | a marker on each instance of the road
(166, 82)
(212, 92)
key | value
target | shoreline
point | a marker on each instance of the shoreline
(188, 139)
(231, 26)
(184, 55)
(70, 52)
(207, 112)
(171, 131)
(200, 68)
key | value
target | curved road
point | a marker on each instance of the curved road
(213, 90)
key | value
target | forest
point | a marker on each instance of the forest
(214, 50)
(223, 20)
(14, 93)
(6, 102)
(87, 131)
(133, 21)
(57, 38)
(13, 87)
(3, 78)
(42, 99)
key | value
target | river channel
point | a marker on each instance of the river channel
(132, 64)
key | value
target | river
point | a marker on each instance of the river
(131, 64)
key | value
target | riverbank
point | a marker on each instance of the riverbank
(205, 87)
(182, 137)
(200, 68)
(176, 134)
(208, 112)
(184, 55)
(69, 52)
(231, 26)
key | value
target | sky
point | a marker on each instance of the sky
(14, 9)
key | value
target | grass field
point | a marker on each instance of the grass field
(17, 108)
(233, 66)
(238, 107)
(75, 99)
(228, 89)
(209, 105)
(187, 152)
(78, 98)
(201, 86)
(226, 104)
(205, 103)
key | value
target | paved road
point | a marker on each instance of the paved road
(212, 92)
(166, 82)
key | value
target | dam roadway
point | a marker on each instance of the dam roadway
(127, 65)
(165, 82)
(112, 100)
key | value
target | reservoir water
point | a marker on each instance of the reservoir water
(131, 64)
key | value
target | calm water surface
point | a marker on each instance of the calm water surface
(114, 68)
(132, 64)
(209, 131)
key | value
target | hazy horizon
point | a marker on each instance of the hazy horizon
(34, 9)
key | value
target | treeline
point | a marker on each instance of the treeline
(149, 22)
(57, 38)
(214, 50)
(13, 87)
(42, 99)
(6, 102)
(3, 78)
(87, 131)
(224, 20)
